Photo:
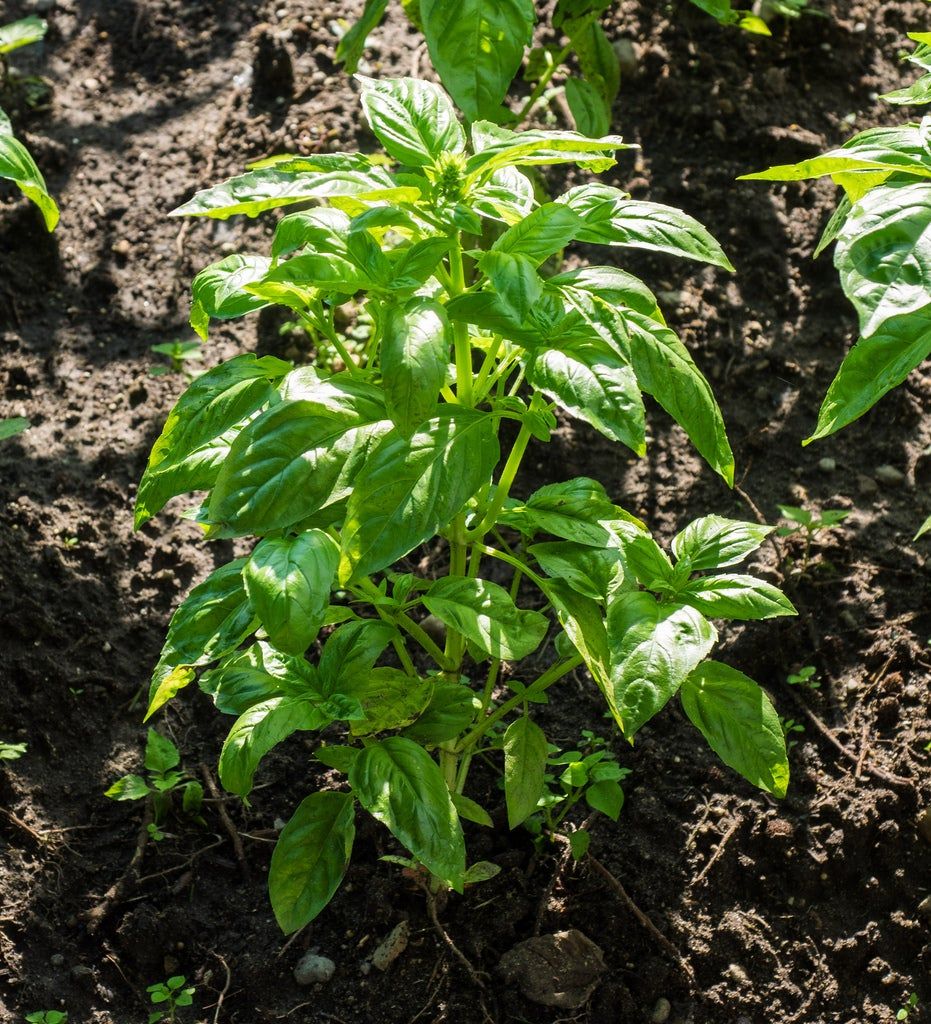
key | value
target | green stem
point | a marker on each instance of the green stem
(460, 330)
(419, 634)
(505, 482)
(320, 324)
(512, 560)
(541, 683)
(545, 79)
(490, 356)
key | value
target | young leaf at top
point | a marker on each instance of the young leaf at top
(17, 165)
(740, 724)
(413, 120)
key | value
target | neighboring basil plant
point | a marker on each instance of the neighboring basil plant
(881, 228)
(16, 163)
(343, 478)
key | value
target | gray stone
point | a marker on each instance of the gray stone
(661, 1011)
(924, 824)
(827, 465)
(392, 947)
(313, 969)
(889, 475)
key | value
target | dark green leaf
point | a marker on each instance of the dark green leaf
(160, 753)
(390, 699)
(219, 290)
(17, 165)
(545, 231)
(415, 348)
(714, 542)
(310, 858)
(594, 572)
(351, 651)
(402, 786)
(350, 47)
(740, 724)
(129, 787)
(589, 110)
(525, 750)
(605, 796)
(450, 712)
(736, 597)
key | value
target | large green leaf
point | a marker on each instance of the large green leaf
(545, 231)
(17, 165)
(414, 360)
(583, 620)
(200, 429)
(414, 120)
(23, 32)
(410, 489)
(310, 858)
(323, 230)
(873, 367)
(590, 111)
(505, 196)
(218, 291)
(390, 699)
(596, 58)
(525, 752)
(451, 711)
(591, 383)
(258, 673)
(516, 287)
(271, 187)
(476, 47)
(351, 651)
(402, 786)
(298, 457)
(611, 217)
(258, 730)
(584, 286)
(485, 614)
(714, 542)
(288, 581)
(212, 620)
(883, 253)
(594, 572)
(653, 648)
(733, 596)
(740, 724)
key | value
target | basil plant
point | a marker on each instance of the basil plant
(340, 623)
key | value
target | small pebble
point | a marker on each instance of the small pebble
(392, 947)
(866, 485)
(57, 960)
(887, 474)
(924, 908)
(313, 969)
(661, 1011)
(123, 247)
(924, 825)
(827, 465)
(82, 973)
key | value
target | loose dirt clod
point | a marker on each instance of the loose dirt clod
(562, 969)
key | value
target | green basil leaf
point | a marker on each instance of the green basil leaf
(883, 253)
(326, 272)
(414, 120)
(338, 757)
(525, 750)
(199, 430)
(736, 597)
(507, 195)
(474, 812)
(161, 754)
(486, 615)
(594, 572)
(714, 542)
(288, 581)
(245, 679)
(219, 290)
(451, 711)
(605, 796)
(611, 217)
(476, 47)
(872, 368)
(23, 32)
(740, 724)
(260, 729)
(498, 147)
(129, 787)
(212, 620)
(515, 282)
(390, 699)
(410, 489)
(643, 556)
(351, 651)
(545, 231)
(597, 60)
(310, 858)
(653, 648)
(298, 457)
(17, 165)
(616, 287)
(590, 111)
(592, 384)
(350, 47)
(402, 786)
(324, 230)
(583, 620)
(415, 346)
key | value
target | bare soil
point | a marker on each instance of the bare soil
(799, 912)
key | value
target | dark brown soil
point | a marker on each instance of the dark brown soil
(798, 913)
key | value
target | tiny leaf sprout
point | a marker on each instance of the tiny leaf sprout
(808, 522)
(180, 355)
(47, 1017)
(174, 994)
(11, 751)
(161, 762)
(790, 727)
(807, 677)
(907, 1008)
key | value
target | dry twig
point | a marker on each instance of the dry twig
(226, 821)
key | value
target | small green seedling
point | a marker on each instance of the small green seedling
(806, 677)
(173, 993)
(47, 1017)
(11, 751)
(592, 774)
(807, 521)
(161, 761)
(790, 726)
(180, 355)
(910, 1005)
(12, 425)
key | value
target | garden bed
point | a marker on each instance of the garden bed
(796, 912)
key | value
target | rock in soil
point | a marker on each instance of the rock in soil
(562, 969)
(392, 947)
(889, 475)
(313, 969)
(661, 1011)
(924, 824)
